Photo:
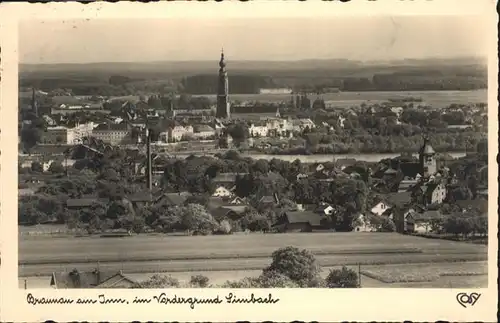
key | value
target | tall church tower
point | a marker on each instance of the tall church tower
(427, 158)
(223, 108)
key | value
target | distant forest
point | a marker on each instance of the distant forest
(320, 76)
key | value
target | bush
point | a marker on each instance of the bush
(243, 283)
(199, 281)
(56, 168)
(342, 278)
(273, 279)
(298, 265)
(224, 227)
(159, 281)
(36, 167)
(387, 225)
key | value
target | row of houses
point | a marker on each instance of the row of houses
(122, 133)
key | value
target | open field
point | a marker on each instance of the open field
(424, 272)
(147, 254)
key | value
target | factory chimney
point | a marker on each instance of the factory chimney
(34, 104)
(149, 161)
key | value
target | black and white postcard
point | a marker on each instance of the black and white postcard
(266, 160)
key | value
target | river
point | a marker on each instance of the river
(322, 158)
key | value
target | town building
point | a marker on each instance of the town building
(379, 208)
(223, 106)
(65, 135)
(299, 221)
(258, 129)
(255, 111)
(177, 133)
(203, 131)
(114, 134)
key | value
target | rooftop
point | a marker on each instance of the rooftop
(310, 217)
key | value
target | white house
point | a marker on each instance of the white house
(176, 133)
(341, 121)
(258, 130)
(379, 208)
(221, 191)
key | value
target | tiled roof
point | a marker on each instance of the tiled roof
(112, 127)
(267, 199)
(202, 128)
(304, 217)
(400, 198)
(427, 149)
(222, 212)
(176, 198)
(76, 279)
(428, 215)
(84, 202)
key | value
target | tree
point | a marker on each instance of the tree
(387, 225)
(225, 227)
(342, 278)
(31, 136)
(36, 167)
(198, 220)
(482, 147)
(117, 209)
(199, 281)
(254, 221)
(274, 279)
(298, 265)
(159, 281)
(56, 168)
(239, 132)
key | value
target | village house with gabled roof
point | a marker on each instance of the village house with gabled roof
(222, 191)
(93, 279)
(379, 208)
(422, 222)
(300, 221)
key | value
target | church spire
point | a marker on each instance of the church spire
(222, 63)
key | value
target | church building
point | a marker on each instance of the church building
(427, 159)
(223, 106)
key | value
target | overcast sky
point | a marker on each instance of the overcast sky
(144, 40)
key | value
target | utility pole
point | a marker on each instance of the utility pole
(359, 274)
(149, 161)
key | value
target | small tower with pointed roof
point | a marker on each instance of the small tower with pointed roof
(427, 159)
(223, 108)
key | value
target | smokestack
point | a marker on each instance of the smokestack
(34, 105)
(150, 164)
